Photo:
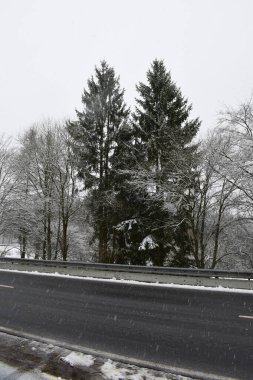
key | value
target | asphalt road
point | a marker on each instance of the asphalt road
(205, 331)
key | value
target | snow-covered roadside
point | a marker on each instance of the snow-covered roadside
(111, 370)
(10, 372)
(28, 359)
(78, 359)
(134, 282)
(115, 371)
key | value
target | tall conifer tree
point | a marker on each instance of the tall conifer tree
(164, 134)
(95, 135)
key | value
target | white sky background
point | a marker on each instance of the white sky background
(49, 49)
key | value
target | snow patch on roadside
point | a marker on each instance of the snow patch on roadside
(78, 359)
(114, 371)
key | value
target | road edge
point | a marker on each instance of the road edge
(102, 356)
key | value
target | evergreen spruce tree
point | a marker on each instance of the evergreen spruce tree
(164, 134)
(128, 229)
(95, 135)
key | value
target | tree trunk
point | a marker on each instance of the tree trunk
(102, 235)
(57, 238)
(217, 229)
(23, 243)
(64, 241)
(49, 233)
(216, 240)
(44, 245)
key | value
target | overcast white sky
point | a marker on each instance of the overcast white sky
(49, 49)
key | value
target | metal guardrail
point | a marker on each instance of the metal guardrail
(120, 268)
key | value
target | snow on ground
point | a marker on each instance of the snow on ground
(10, 372)
(10, 251)
(133, 282)
(115, 371)
(78, 359)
